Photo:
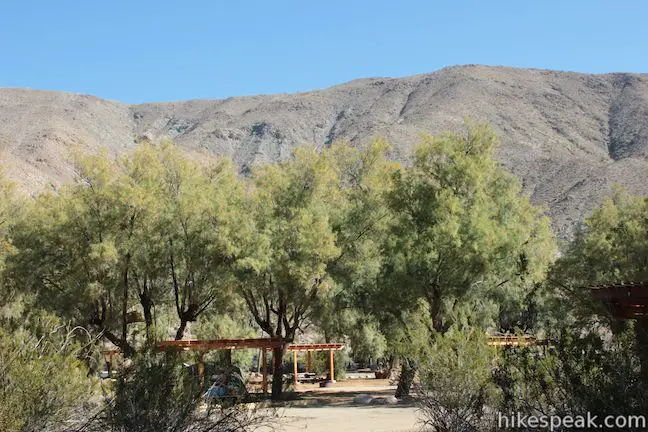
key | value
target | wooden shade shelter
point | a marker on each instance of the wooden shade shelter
(628, 300)
(264, 344)
(511, 340)
(220, 344)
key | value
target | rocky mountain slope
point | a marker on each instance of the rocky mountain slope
(568, 136)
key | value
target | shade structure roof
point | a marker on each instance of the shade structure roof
(627, 300)
(270, 343)
(250, 343)
(511, 340)
(316, 347)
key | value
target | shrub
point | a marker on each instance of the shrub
(456, 392)
(42, 383)
(156, 393)
(579, 373)
(321, 363)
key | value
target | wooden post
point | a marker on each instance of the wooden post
(274, 361)
(332, 365)
(264, 371)
(309, 361)
(228, 357)
(295, 368)
(201, 368)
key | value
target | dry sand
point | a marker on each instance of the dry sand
(333, 409)
(350, 418)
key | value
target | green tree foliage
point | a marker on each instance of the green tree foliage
(594, 363)
(463, 233)
(315, 214)
(361, 224)
(206, 232)
(293, 201)
(610, 247)
(68, 255)
(10, 207)
(410, 334)
(581, 372)
(456, 390)
(233, 323)
(151, 228)
(463, 240)
(368, 342)
(293, 205)
(321, 363)
(42, 383)
(320, 239)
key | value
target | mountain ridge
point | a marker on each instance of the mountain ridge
(568, 136)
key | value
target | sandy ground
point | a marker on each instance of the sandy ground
(350, 418)
(333, 409)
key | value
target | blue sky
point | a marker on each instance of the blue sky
(143, 50)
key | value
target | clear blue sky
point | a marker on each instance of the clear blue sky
(144, 50)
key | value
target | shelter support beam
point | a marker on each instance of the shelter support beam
(295, 368)
(264, 370)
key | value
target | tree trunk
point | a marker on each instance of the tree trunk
(188, 315)
(181, 330)
(277, 372)
(125, 300)
(435, 310)
(123, 345)
(148, 315)
(125, 308)
(406, 378)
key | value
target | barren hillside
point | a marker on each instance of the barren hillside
(568, 136)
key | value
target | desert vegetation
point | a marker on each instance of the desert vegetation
(411, 265)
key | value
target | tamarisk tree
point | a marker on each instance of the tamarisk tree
(153, 227)
(464, 239)
(316, 215)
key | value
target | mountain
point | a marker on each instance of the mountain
(569, 137)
